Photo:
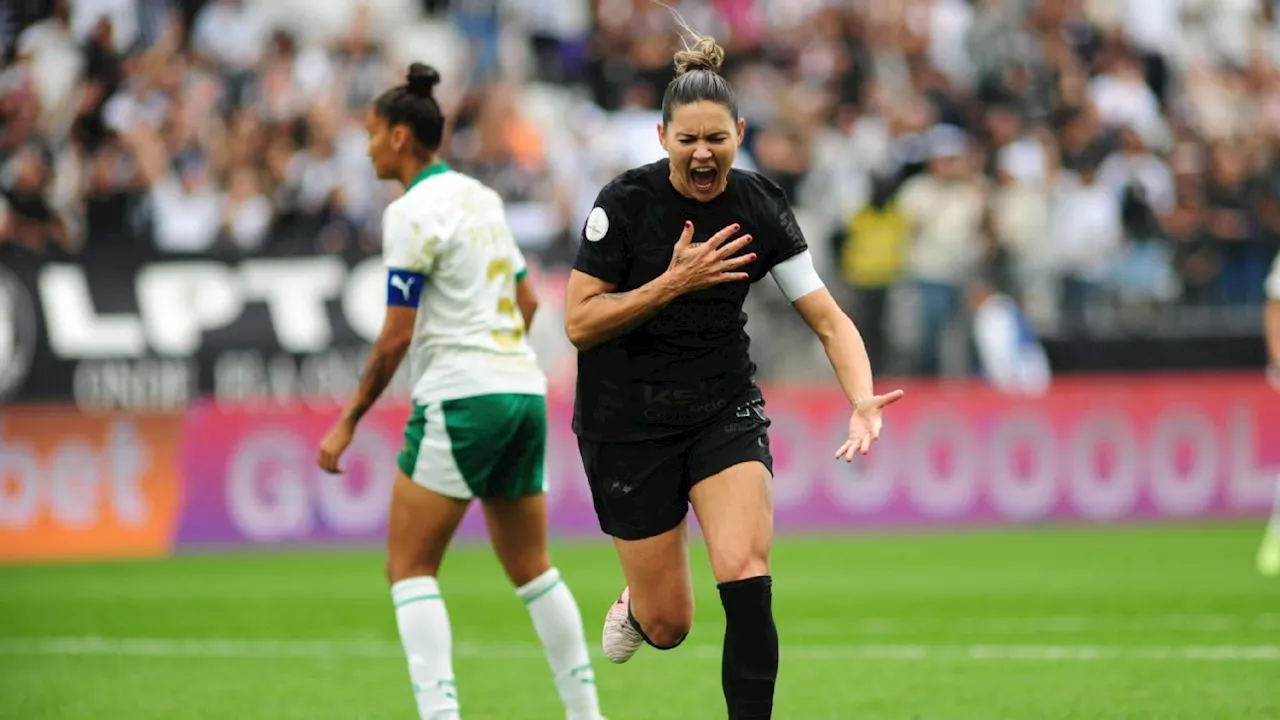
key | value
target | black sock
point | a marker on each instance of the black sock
(750, 660)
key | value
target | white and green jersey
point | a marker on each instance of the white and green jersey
(449, 253)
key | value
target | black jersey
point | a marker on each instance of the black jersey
(684, 365)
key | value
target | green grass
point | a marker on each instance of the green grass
(1038, 624)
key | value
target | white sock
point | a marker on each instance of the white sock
(428, 645)
(558, 622)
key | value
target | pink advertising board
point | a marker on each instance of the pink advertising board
(1104, 450)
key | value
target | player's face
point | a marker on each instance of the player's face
(702, 141)
(385, 145)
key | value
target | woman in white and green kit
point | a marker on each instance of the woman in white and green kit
(458, 304)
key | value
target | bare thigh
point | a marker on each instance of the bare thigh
(657, 572)
(518, 532)
(419, 527)
(735, 509)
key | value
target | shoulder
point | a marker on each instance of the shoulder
(751, 185)
(464, 185)
(760, 194)
(411, 214)
(626, 193)
(398, 210)
(915, 191)
(638, 182)
(768, 202)
(917, 183)
(435, 196)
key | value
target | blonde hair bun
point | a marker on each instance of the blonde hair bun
(704, 55)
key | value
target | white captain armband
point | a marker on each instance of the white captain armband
(404, 288)
(796, 276)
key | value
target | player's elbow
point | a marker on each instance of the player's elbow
(393, 342)
(527, 301)
(393, 348)
(579, 329)
(577, 333)
(832, 326)
(527, 311)
(584, 323)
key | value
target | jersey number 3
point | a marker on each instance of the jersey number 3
(500, 272)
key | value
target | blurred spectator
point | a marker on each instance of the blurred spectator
(1009, 353)
(32, 222)
(182, 196)
(1143, 184)
(871, 261)
(1233, 226)
(1115, 154)
(508, 153)
(1086, 234)
(230, 38)
(246, 212)
(53, 59)
(1196, 255)
(944, 207)
(89, 17)
(1019, 222)
(1133, 168)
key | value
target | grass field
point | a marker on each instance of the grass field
(1038, 624)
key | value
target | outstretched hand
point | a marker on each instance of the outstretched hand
(865, 424)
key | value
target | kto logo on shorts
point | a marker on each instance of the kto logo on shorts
(18, 333)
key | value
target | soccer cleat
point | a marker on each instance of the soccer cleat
(1269, 553)
(621, 639)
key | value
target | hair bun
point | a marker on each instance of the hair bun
(706, 54)
(422, 80)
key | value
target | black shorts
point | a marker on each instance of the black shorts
(641, 489)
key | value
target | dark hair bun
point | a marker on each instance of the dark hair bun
(422, 80)
(704, 55)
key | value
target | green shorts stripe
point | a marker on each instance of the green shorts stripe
(487, 446)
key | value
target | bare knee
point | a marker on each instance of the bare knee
(739, 562)
(404, 568)
(657, 573)
(420, 526)
(518, 532)
(665, 626)
(666, 633)
(735, 508)
(524, 569)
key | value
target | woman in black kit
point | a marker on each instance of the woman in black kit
(667, 412)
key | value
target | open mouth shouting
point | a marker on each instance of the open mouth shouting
(703, 179)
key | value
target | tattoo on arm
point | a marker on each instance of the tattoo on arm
(378, 371)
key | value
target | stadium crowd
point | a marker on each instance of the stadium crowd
(1077, 154)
